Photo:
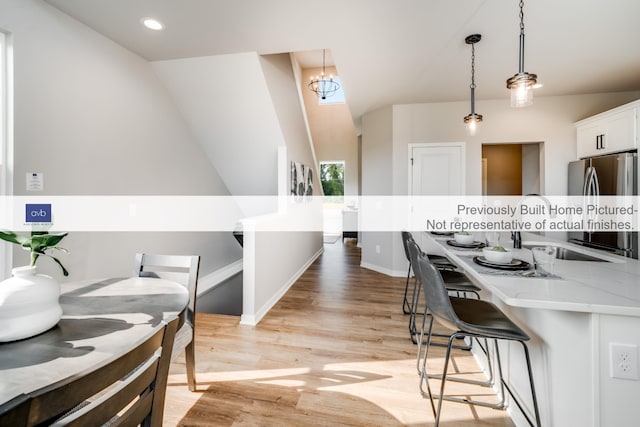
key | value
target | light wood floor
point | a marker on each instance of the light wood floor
(334, 351)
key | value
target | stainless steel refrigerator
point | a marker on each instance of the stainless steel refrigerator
(610, 175)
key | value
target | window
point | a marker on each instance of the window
(336, 98)
(3, 113)
(5, 136)
(332, 178)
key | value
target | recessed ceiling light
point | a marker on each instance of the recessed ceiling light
(152, 24)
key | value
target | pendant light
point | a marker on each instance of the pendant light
(472, 120)
(322, 85)
(521, 84)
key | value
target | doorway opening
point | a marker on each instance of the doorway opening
(332, 181)
(511, 169)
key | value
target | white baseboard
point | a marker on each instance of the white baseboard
(253, 320)
(213, 279)
(388, 272)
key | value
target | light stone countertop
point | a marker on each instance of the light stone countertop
(582, 286)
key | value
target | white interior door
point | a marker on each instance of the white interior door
(437, 169)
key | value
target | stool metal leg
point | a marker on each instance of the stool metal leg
(444, 380)
(406, 307)
(533, 390)
(489, 382)
(422, 372)
(421, 369)
(415, 298)
(503, 385)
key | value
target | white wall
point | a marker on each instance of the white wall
(549, 120)
(280, 79)
(531, 168)
(94, 118)
(377, 180)
(274, 261)
(244, 110)
(229, 109)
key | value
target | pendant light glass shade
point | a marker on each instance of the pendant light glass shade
(472, 121)
(521, 87)
(521, 84)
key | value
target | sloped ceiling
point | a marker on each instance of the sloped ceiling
(395, 52)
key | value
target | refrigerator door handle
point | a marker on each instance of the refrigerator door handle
(593, 192)
(585, 184)
(627, 180)
(596, 185)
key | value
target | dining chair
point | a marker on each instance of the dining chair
(466, 317)
(15, 412)
(125, 390)
(184, 270)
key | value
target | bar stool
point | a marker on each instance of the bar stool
(440, 261)
(455, 281)
(466, 318)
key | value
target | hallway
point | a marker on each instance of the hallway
(335, 351)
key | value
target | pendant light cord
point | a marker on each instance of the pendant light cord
(521, 57)
(473, 66)
(323, 52)
(473, 78)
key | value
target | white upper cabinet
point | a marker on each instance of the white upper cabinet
(609, 132)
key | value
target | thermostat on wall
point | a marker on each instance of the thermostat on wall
(35, 181)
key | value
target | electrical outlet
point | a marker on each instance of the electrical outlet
(377, 249)
(624, 361)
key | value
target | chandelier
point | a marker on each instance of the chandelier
(471, 120)
(321, 85)
(521, 84)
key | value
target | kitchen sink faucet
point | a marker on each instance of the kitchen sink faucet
(515, 235)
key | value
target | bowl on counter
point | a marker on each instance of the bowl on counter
(497, 255)
(463, 239)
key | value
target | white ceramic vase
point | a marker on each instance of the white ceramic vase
(28, 304)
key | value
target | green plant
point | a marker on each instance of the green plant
(332, 179)
(38, 242)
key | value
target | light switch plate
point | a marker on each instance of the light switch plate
(35, 181)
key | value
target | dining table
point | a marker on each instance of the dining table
(101, 319)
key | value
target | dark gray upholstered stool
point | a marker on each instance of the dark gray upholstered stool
(465, 318)
(440, 261)
(455, 281)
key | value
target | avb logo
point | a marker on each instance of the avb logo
(38, 213)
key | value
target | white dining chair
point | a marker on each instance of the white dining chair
(184, 270)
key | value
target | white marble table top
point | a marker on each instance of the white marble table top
(101, 319)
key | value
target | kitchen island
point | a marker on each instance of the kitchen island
(572, 318)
